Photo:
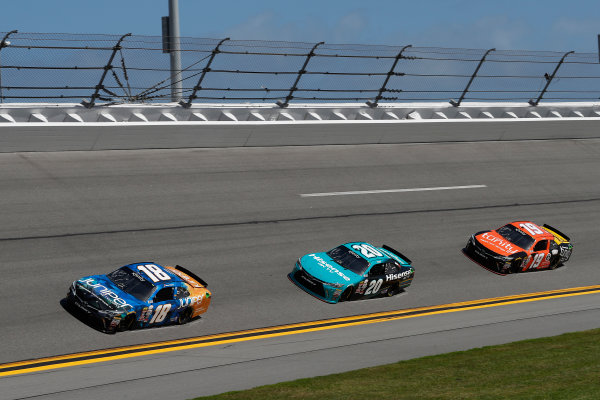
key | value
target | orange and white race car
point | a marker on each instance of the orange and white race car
(519, 247)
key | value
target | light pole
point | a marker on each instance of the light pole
(175, 51)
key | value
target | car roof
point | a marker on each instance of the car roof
(147, 267)
(543, 235)
(376, 259)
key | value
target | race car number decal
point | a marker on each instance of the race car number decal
(531, 228)
(367, 251)
(161, 312)
(154, 272)
(536, 260)
(374, 286)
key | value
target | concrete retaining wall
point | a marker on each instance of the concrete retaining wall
(492, 123)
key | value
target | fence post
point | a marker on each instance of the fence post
(462, 96)
(300, 73)
(107, 67)
(549, 79)
(206, 69)
(387, 78)
(4, 43)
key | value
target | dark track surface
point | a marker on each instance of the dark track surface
(235, 217)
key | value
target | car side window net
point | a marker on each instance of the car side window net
(164, 294)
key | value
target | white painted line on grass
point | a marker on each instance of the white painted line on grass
(392, 191)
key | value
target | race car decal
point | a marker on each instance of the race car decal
(374, 286)
(360, 289)
(190, 300)
(498, 243)
(391, 277)
(161, 312)
(532, 228)
(153, 272)
(104, 291)
(367, 250)
(328, 266)
(537, 259)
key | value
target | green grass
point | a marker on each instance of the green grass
(560, 367)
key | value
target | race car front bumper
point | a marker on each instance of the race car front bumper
(486, 258)
(101, 320)
(313, 286)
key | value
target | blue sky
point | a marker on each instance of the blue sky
(509, 24)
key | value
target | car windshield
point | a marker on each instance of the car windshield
(349, 259)
(516, 236)
(132, 283)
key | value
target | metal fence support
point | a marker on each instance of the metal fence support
(462, 96)
(549, 79)
(107, 67)
(4, 43)
(302, 71)
(206, 69)
(387, 78)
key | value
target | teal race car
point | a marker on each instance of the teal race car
(352, 271)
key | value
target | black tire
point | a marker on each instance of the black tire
(516, 266)
(555, 265)
(185, 316)
(393, 290)
(347, 294)
(127, 324)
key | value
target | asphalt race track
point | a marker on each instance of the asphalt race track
(236, 217)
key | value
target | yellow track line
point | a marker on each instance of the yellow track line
(69, 360)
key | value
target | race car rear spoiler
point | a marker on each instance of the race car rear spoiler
(396, 252)
(557, 232)
(194, 276)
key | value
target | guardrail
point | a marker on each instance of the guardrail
(124, 114)
(130, 69)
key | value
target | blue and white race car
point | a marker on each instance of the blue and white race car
(140, 295)
(352, 271)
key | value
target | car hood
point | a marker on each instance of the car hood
(108, 292)
(322, 267)
(496, 243)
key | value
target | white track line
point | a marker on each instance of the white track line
(391, 191)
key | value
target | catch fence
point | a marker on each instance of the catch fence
(116, 69)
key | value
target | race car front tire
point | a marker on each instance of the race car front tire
(347, 294)
(127, 324)
(517, 265)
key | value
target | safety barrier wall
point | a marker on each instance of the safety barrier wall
(43, 127)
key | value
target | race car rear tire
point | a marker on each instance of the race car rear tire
(393, 290)
(185, 316)
(555, 265)
(347, 294)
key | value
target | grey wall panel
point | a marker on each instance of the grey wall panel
(60, 137)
